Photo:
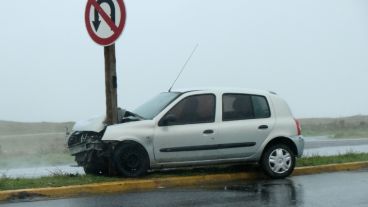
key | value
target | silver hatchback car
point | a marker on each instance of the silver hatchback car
(192, 128)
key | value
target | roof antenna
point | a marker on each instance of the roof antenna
(185, 64)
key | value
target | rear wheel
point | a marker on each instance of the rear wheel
(131, 160)
(278, 161)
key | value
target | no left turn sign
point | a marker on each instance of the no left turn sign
(105, 20)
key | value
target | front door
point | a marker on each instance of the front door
(188, 130)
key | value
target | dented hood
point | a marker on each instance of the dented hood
(95, 124)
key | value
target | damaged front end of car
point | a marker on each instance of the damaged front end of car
(90, 151)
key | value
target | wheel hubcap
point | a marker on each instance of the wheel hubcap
(132, 161)
(280, 161)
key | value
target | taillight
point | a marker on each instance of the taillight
(298, 127)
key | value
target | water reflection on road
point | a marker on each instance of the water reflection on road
(276, 192)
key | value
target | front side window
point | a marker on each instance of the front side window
(244, 106)
(193, 109)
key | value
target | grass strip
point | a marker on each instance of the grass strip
(52, 181)
(325, 160)
(64, 179)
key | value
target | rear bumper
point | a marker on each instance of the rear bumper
(299, 143)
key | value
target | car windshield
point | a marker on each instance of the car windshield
(154, 106)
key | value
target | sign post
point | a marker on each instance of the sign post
(111, 85)
(105, 21)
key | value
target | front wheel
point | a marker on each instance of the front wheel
(96, 166)
(278, 161)
(131, 160)
(96, 169)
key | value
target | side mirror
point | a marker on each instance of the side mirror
(167, 120)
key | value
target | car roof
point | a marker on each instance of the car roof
(227, 90)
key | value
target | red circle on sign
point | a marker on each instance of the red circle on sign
(110, 40)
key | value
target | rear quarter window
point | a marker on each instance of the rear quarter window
(261, 107)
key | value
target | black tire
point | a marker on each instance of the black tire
(95, 169)
(100, 168)
(278, 161)
(131, 160)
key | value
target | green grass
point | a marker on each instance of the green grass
(63, 179)
(323, 160)
(53, 181)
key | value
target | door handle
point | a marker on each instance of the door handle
(263, 127)
(208, 131)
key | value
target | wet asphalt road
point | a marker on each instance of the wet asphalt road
(330, 189)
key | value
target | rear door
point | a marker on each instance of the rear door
(246, 123)
(190, 134)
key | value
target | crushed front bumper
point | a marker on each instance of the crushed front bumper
(84, 147)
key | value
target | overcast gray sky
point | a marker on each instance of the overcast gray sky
(313, 53)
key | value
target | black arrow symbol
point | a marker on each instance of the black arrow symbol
(96, 23)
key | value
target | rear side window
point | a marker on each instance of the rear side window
(244, 106)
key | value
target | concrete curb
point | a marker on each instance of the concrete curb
(147, 184)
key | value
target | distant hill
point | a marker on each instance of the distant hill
(344, 127)
(351, 121)
(20, 128)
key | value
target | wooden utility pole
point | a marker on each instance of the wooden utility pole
(113, 18)
(111, 85)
